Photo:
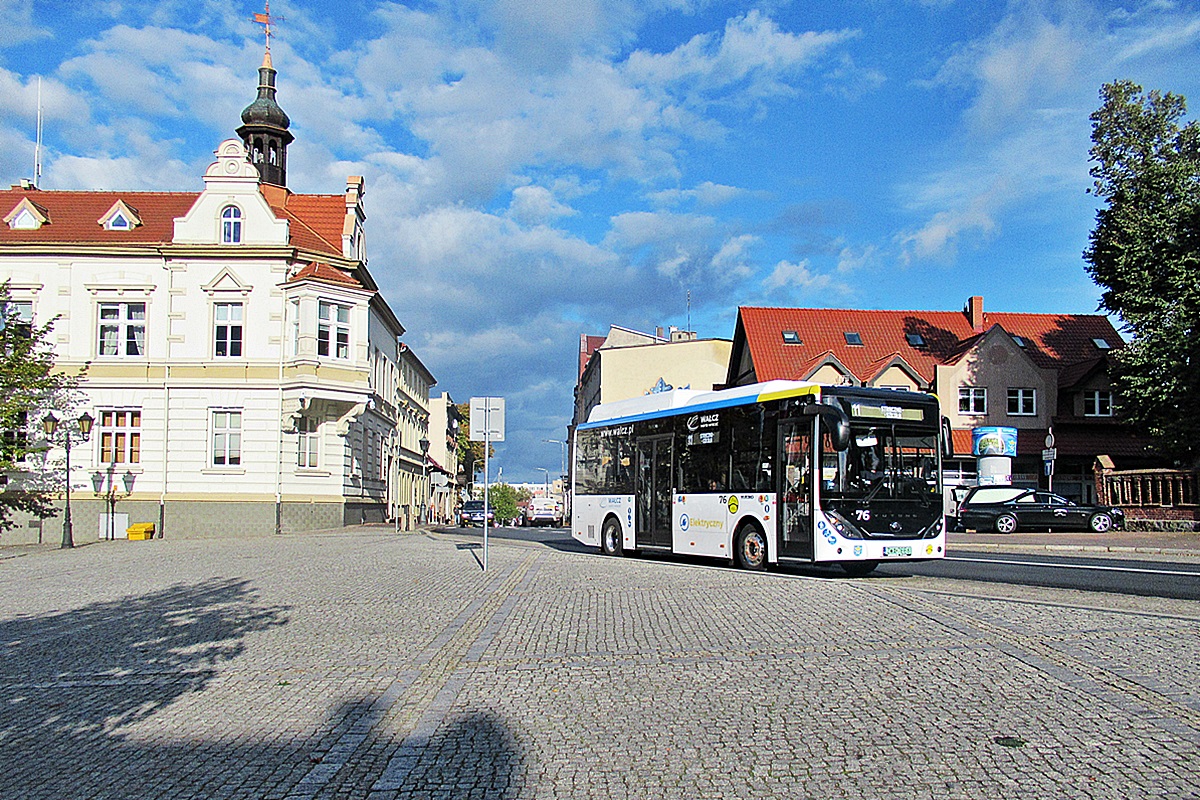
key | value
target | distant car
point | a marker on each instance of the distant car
(472, 513)
(1005, 509)
(543, 511)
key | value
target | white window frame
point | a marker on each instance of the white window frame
(222, 434)
(1093, 397)
(224, 328)
(118, 434)
(332, 329)
(972, 394)
(124, 326)
(231, 225)
(17, 438)
(308, 446)
(294, 310)
(1024, 399)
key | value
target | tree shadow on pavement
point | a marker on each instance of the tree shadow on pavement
(72, 682)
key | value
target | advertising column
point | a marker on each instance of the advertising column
(994, 448)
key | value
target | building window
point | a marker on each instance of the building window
(1101, 344)
(1097, 403)
(972, 400)
(295, 322)
(853, 338)
(226, 438)
(20, 314)
(228, 321)
(122, 329)
(120, 436)
(231, 225)
(309, 442)
(915, 339)
(791, 337)
(333, 330)
(15, 439)
(1022, 402)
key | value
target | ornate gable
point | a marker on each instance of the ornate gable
(27, 216)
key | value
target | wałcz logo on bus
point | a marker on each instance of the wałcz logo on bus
(698, 421)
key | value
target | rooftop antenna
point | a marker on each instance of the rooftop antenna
(689, 310)
(37, 147)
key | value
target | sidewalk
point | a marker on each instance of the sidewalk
(1114, 543)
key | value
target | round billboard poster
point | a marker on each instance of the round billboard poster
(994, 441)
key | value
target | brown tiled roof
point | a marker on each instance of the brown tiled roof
(324, 272)
(1052, 340)
(314, 221)
(587, 345)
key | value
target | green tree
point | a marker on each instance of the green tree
(30, 387)
(1145, 254)
(504, 500)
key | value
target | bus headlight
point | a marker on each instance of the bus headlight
(842, 526)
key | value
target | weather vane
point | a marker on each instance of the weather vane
(266, 19)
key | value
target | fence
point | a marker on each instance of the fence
(1161, 494)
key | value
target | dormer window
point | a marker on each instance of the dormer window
(853, 338)
(120, 217)
(1101, 344)
(26, 216)
(231, 225)
(791, 337)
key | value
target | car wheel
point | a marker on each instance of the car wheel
(1100, 523)
(610, 538)
(1006, 523)
(750, 547)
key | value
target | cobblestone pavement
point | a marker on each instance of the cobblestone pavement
(366, 664)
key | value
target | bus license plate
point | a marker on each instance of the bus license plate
(895, 551)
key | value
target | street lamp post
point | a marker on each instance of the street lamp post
(98, 481)
(425, 493)
(49, 425)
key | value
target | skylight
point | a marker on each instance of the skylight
(853, 338)
(915, 339)
(1020, 340)
(791, 337)
(1102, 344)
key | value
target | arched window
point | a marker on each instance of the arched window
(231, 225)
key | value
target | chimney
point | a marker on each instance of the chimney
(974, 312)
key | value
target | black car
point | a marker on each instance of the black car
(472, 514)
(1005, 509)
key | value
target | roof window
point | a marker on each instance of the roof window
(1020, 340)
(120, 217)
(791, 337)
(915, 339)
(853, 338)
(1101, 344)
(27, 216)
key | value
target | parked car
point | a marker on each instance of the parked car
(472, 514)
(1005, 509)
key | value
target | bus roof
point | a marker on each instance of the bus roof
(677, 401)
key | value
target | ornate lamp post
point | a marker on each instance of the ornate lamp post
(111, 495)
(49, 425)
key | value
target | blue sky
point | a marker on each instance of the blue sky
(537, 170)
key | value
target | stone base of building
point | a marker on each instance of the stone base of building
(192, 519)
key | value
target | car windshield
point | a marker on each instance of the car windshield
(882, 461)
(473, 505)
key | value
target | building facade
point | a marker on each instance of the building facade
(243, 370)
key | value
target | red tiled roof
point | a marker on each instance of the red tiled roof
(314, 221)
(587, 346)
(324, 272)
(1052, 340)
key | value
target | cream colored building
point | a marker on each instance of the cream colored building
(447, 482)
(244, 371)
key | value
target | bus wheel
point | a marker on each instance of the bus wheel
(610, 538)
(750, 547)
(858, 569)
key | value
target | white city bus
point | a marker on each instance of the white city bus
(730, 473)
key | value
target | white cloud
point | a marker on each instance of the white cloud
(19, 27)
(532, 205)
(789, 275)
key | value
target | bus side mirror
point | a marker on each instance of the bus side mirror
(947, 439)
(834, 421)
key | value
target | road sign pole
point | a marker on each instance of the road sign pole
(487, 444)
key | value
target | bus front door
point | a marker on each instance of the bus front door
(795, 490)
(654, 491)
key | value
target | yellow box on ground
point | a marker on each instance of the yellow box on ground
(140, 531)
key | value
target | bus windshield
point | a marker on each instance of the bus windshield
(882, 462)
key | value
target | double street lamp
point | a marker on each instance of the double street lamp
(50, 425)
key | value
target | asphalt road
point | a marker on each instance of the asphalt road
(1179, 581)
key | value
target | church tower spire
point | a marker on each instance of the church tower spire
(264, 128)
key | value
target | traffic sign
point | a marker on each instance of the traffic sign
(487, 419)
(1049, 454)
